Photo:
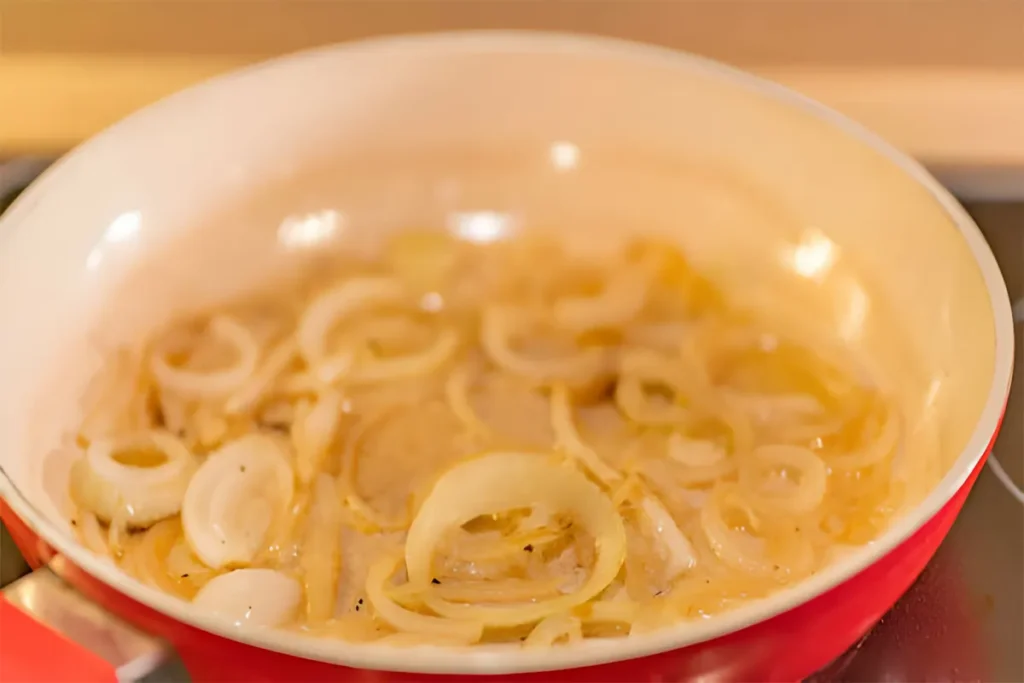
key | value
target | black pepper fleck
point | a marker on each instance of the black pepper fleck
(359, 601)
(74, 522)
(184, 576)
(241, 468)
(528, 547)
(435, 582)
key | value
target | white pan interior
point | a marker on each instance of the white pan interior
(233, 185)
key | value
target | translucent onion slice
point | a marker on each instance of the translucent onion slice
(216, 383)
(559, 627)
(738, 550)
(671, 541)
(641, 367)
(568, 439)
(233, 499)
(499, 326)
(333, 306)
(254, 388)
(619, 302)
(313, 430)
(320, 558)
(491, 591)
(251, 598)
(456, 393)
(799, 496)
(369, 519)
(765, 408)
(694, 453)
(151, 551)
(406, 366)
(377, 581)
(136, 496)
(610, 611)
(498, 482)
(498, 590)
(91, 534)
(877, 450)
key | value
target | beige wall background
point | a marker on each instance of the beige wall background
(942, 78)
(957, 33)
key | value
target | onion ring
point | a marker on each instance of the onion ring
(498, 482)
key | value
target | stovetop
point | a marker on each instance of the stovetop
(963, 620)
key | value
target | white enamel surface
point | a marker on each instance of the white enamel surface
(202, 197)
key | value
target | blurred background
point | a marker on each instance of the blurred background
(942, 79)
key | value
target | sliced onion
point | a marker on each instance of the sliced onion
(250, 393)
(498, 590)
(137, 496)
(320, 558)
(499, 326)
(252, 598)
(377, 580)
(672, 543)
(610, 611)
(661, 471)
(333, 306)
(737, 549)
(234, 498)
(456, 392)
(694, 453)
(371, 520)
(216, 383)
(799, 496)
(553, 629)
(766, 408)
(151, 550)
(569, 439)
(499, 482)
(313, 431)
(642, 366)
(876, 451)
(91, 534)
(620, 301)
(418, 364)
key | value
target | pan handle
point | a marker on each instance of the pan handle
(53, 634)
